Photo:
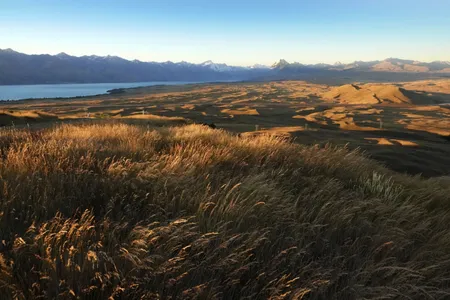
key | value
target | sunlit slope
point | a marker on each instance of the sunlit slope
(375, 94)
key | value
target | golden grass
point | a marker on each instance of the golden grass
(246, 111)
(116, 211)
(366, 94)
(305, 109)
(431, 127)
(284, 131)
(352, 94)
(390, 142)
(434, 124)
(405, 143)
(188, 106)
(18, 113)
(18, 117)
(369, 111)
(152, 117)
(381, 141)
(427, 108)
(349, 124)
(312, 118)
(341, 116)
(432, 86)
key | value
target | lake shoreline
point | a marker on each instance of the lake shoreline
(92, 90)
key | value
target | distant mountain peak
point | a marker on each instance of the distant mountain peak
(444, 62)
(114, 58)
(280, 64)
(207, 63)
(399, 61)
(62, 54)
(217, 67)
(259, 66)
(8, 50)
(93, 56)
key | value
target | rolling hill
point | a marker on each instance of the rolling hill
(376, 94)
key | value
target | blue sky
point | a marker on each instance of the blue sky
(235, 32)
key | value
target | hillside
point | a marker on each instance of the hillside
(115, 211)
(375, 94)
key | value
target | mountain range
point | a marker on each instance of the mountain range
(387, 65)
(20, 68)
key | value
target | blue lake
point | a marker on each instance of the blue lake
(17, 92)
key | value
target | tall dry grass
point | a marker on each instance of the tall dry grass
(115, 211)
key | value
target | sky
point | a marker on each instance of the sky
(236, 32)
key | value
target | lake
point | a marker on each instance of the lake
(17, 92)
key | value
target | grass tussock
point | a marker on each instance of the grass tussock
(116, 211)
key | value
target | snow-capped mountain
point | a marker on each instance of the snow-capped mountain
(216, 67)
(259, 66)
(221, 67)
(282, 63)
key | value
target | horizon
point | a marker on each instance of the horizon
(237, 33)
(217, 62)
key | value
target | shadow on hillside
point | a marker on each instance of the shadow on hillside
(425, 98)
(429, 158)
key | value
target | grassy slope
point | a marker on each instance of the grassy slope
(115, 210)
